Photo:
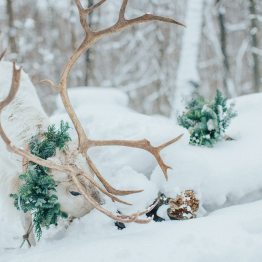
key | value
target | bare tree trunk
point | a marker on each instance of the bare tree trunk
(88, 55)
(187, 79)
(72, 29)
(227, 83)
(11, 35)
(254, 44)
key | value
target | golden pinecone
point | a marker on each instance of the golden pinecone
(184, 206)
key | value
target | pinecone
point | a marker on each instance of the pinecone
(184, 206)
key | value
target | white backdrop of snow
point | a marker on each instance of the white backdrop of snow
(229, 173)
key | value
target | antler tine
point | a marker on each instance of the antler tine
(122, 11)
(121, 218)
(107, 186)
(95, 6)
(113, 198)
(161, 147)
(141, 144)
(124, 23)
(83, 13)
(89, 9)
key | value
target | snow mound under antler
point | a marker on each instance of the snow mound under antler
(228, 174)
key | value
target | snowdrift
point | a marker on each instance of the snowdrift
(226, 175)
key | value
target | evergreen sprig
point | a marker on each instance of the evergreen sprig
(207, 121)
(37, 193)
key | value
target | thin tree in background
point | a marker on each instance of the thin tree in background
(227, 82)
(11, 35)
(88, 55)
(254, 44)
(187, 79)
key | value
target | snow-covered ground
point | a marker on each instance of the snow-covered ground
(228, 175)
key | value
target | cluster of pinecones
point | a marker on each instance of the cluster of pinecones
(184, 206)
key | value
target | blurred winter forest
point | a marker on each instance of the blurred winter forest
(156, 64)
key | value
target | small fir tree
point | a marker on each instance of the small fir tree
(207, 121)
(37, 193)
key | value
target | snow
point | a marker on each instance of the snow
(227, 179)
(233, 234)
(227, 174)
(95, 96)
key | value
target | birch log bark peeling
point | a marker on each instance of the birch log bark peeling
(187, 75)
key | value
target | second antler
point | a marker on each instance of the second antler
(84, 142)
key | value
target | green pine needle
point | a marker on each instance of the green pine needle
(37, 193)
(207, 121)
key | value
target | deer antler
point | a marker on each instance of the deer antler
(84, 143)
(91, 37)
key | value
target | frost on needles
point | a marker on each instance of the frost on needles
(37, 194)
(207, 121)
